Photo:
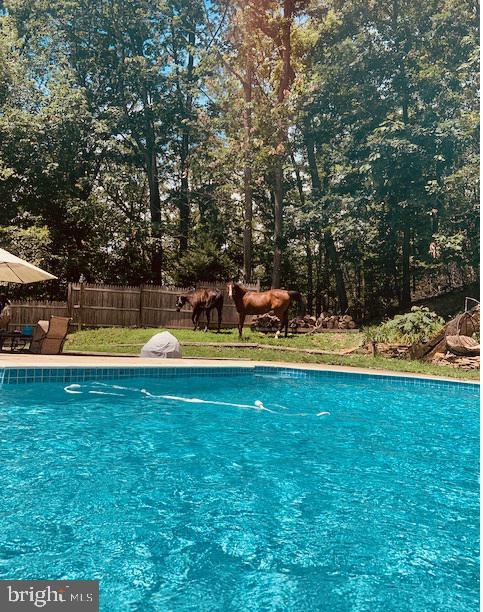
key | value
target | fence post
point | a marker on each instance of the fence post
(70, 306)
(141, 305)
(81, 304)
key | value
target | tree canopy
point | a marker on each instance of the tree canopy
(326, 146)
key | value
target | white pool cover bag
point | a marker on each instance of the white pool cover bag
(163, 345)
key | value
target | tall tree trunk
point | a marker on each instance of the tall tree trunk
(406, 270)
(151, 162)
(319, 282)
(278, 227)
(307, 237)
(184, 198)
(247, 171)
(310, 275)
(286, 78)
(404, 295)
(333, 256)
(155, 211)
(328, 238)
(183, 201)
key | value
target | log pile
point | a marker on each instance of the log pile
(265, 323)
(329, 321)
(308, 324)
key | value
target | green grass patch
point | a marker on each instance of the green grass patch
(110, 340)
(354, 360)
(104, 337)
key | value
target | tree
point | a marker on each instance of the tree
(329, 147)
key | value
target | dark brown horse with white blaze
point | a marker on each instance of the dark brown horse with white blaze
(202, 300)
(259, 302)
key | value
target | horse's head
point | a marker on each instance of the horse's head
(235, 288)
(180, 302)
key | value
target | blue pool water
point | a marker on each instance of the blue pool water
(177, 505)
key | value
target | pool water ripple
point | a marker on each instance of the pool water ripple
(247, 501)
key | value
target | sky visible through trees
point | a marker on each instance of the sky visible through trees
(325, 146)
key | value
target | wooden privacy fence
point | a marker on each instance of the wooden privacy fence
(115, 306)
(31, 311)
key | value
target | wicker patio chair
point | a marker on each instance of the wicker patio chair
(49, 336)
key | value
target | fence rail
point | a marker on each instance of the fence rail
(115, 306)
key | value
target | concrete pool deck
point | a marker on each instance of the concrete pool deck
(65, 360)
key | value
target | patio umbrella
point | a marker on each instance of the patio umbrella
(16, 270)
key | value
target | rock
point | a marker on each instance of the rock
(454, 361)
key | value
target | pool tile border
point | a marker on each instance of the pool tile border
(21, 375)
(299, 373)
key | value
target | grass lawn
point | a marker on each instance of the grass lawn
(124, 340)
(106, 339)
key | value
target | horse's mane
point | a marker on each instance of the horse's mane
(241, 287)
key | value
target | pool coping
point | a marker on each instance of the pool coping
(71, 363)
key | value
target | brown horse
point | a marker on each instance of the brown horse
(202, 300)
(259, 302)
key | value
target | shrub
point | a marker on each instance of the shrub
(415, 326)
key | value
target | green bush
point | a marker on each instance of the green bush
(417, 325)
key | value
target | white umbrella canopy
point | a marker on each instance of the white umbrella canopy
(16, 270)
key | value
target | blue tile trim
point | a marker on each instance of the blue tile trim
(68, 375)
(12, 376)
(363, 377)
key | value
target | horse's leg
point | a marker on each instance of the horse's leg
(283, 323)
(208, 310)
(219, 309)
(196, 316)
(283, 316)
(193, 319)
(241, 321)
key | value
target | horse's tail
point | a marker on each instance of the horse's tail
(296, 296)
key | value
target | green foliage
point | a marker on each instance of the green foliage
(203, 262)
(122, 130)
(32, 243)
(417, 325)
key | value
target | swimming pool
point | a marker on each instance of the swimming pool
(279, 490)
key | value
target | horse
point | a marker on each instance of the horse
(202, 300)
(259, 302)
